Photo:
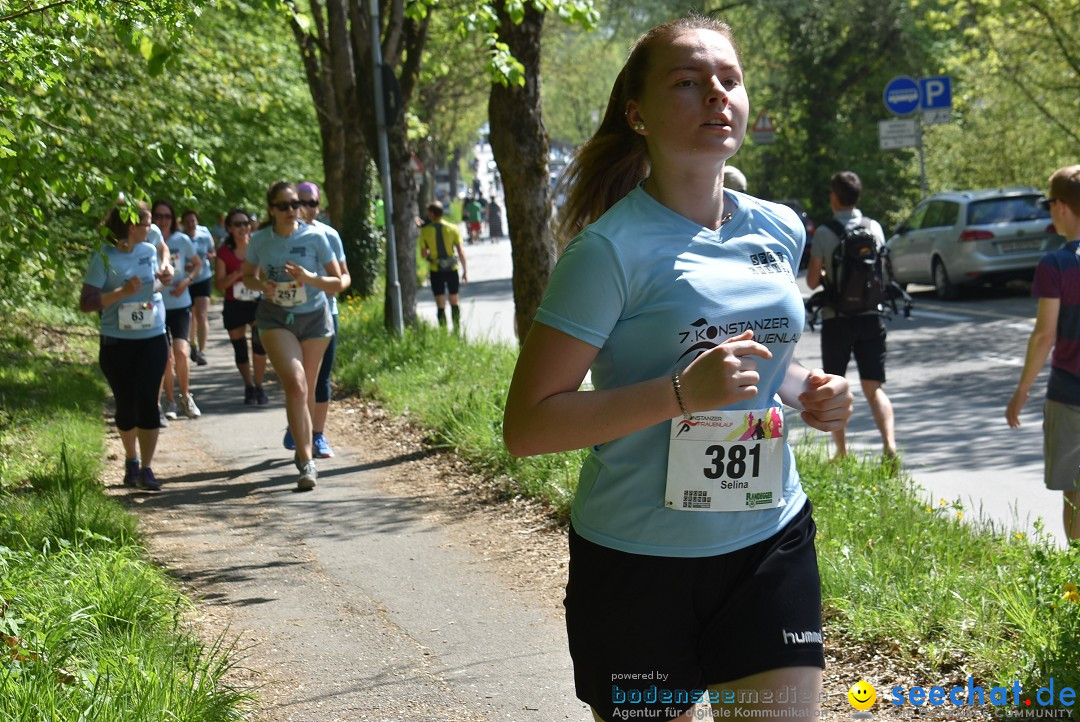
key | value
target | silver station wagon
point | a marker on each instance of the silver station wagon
(968, 238)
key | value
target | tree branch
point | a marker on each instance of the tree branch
(1063, 41)
(31, 11)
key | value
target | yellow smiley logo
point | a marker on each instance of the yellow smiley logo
(862, 695)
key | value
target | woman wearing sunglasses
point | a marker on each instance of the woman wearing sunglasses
(292, 264)
(120, 285)
(240, 304)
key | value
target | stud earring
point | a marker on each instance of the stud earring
(639, 126)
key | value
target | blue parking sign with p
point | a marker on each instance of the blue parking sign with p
(936, 92)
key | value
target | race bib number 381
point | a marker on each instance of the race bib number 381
(726, 461)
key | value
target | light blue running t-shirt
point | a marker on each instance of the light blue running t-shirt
(182, 251)
(307, 247)
(339, 253)
(652, 290)
(154, 237)
(204, 244)
(144, 312)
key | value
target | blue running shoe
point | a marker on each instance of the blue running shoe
(322, 448)
(147, 481)
(288, 442)
(131, 472)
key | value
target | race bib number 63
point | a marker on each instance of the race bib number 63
(726, 461)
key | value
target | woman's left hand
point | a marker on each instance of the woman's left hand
(297, 272)
(181, 286)
(826, 400)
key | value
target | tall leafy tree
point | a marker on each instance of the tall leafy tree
(52, 157)
(335, 40)
(520, 142)
(205, 113)
(1016, 75)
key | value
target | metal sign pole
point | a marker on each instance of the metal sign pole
(922, 156)
(384, 173)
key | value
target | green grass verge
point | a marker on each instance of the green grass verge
(945, 597)
(89, 628)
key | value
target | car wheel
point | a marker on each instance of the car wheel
(945, 289)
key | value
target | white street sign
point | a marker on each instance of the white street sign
(893, 134)
(937, 116)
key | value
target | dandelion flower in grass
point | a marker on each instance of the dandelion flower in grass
(942, 502)
(1072, 596)
(1019, 536)
(928, 509)
(959, 515)
(1069, 587)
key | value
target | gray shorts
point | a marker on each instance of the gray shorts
(314, 324)
(1061, 446)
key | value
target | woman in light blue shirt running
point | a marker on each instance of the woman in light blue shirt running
(293, 266)
(692, 563)
(122, 284)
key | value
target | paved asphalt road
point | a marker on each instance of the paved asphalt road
(361, 603)
(951, 370)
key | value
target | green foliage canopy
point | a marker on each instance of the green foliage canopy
(181, 99)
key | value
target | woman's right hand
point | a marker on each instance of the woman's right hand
(132, 286)
(724, 375)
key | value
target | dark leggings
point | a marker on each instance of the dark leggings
(133, 368)
(322, 383)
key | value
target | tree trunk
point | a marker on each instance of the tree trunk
(520, 145)
(337, 61)
(404, 220)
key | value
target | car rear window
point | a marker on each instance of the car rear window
(1006, 210)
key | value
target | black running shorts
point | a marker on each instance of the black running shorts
(645, 631)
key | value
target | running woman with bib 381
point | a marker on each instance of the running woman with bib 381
(238, 311)
(294, 267)
(121, 284)
(692, 561)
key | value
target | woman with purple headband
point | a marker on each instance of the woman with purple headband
(308, 193)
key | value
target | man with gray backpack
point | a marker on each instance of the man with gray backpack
(849, 258)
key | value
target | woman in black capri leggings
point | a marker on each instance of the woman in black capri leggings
(122, 284)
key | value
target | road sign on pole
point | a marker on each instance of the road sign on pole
(893, 134)
(764, 129)
(936, 92)
(902, 96)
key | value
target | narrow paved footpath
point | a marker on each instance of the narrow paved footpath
(381, 595)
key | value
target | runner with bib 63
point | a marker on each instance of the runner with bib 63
(691, 540)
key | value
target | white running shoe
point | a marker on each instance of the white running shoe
(169, 409)
(308, 475)
(188, 407)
